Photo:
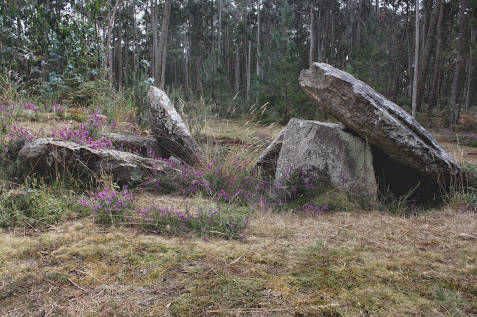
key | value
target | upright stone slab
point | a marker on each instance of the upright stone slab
(170, 131)
(267, 162)
(344, 159)
(405, 153)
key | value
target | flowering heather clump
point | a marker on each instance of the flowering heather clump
(221, 222)
(80, 134)
(56, 108)
(240, 186)
(87, 134)
(310, 209)
(30, 106)
(108, 206)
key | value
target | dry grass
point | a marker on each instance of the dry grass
(240, 131)
(339, 264)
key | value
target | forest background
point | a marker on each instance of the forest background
(228, 58)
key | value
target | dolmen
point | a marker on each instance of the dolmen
(403, 156)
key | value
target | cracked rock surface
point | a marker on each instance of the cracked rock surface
(170, 131)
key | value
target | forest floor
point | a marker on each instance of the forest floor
(356, 263)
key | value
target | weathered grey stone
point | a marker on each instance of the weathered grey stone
(345, 160)
(133, 143)
(49, 155)
(402, 146)
(170, 131)
(267, 162)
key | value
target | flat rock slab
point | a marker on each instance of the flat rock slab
(382, 123)
(170, 131)
(49, 155)
(144, 145)
(342, 158)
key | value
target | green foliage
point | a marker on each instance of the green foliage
(31, 205)
(226, 221)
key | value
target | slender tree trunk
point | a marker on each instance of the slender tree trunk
(134, 55)
(258, 37)
(219, 44)
(237, 70)
(409, 53)
(163, 67)
(186, 68)
(155, 52)
(469, 98)
(109, 55)
(319, 37)
(454, 112)
(249, 68)
(437, 62)
(416, 63)
(312, 36)
(163, 43)
(120, 60)
(424, 65)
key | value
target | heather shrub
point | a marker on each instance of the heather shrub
(107, 206)
(225, 221)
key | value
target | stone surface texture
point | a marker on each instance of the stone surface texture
(343, 158)
(47, 154)
(170, 131)
(267, 162)
(377, 120)
(133, 143)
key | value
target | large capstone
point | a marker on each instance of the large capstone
(406, 155)
(170, 131)
(344, 159)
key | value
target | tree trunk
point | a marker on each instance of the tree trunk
(163, 67)
(454, 113)
(133, 14)
(219, 44)
(470, 95)
(429, 41)
(258, 37)
(109, 55)
(416, 63)
(163, 43)
(237, 70)
(437, 61)
(120, 60)
(249, 68)
(155, 52)
(312, 36)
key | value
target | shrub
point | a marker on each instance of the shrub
(108, 206)
(34, 205)
(225, 221)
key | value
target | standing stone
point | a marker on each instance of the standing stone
(405, 153)
(342, 158)
(170, 131)
(267, 162)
